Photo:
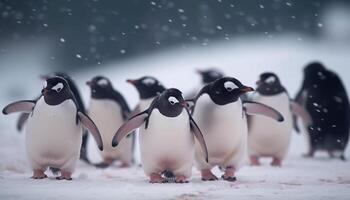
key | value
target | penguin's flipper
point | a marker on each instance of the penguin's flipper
(199, 136)
(134, 112)
(22, 120)
(127, 128)
(90, 125)
(255, 108)
(24, 106)
(301, 112)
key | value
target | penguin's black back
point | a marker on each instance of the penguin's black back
(328, 104)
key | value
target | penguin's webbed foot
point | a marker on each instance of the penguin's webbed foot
(65, 176)
(102, 165)
(276, 162)
(254, 161)
(125, 165)
(229, 174)
(38, 174)
(207, 175)
(180, 179)
(156, 178)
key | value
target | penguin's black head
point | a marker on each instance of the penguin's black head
(147, 86)
(56, 90)
(269, 84)
(314, 68)
(171, 102)
(210, 75)
(100, 86)
(225, 90)
(59, 74)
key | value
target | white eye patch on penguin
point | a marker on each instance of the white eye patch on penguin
(149, 81)
(58, 87)
(102, 82)
(172, 100)
(229, 86)
(270, 80)
(45, 84)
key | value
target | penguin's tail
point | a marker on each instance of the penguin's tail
(54, 170)
(168, 176)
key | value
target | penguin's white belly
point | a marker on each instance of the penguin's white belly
(268, 137)
(52, 136)
(224, 129)
(108, 118)
(167, 143)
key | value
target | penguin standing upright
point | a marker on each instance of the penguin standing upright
(221, 115)
(266, 137)
(54, 129)
(323, 95)
(148, 88)
(166, 142)
(79, 100)
(109, 110)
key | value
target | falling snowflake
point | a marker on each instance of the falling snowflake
(62, 40)
(78, 56)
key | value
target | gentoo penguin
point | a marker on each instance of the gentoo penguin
(166, 142)
(80, 104)
(54, 129)
(220, 113)
(266, 137)
(148, 88)
(109, 110)
(323, 95)
(207, 76)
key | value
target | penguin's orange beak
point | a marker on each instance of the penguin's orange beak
(199, 71)
(184, 104)
(44, 91)
(131, 81)
(246, 89)
(258, 82)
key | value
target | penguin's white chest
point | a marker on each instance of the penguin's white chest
(224, 128)
(52, 134)
(268, 137)
(167, 142)
(107, 115)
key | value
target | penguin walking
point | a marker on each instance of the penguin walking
(109, 110)
(166, 143)
(220, 113)
(148, 88)
(79, 100)
(54, 129)
(324, 96)
(266, 137)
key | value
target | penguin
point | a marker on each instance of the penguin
(109, 110)
(221, 114)
(166, 143)
(266, 137)
(207, 76)
(148, 88)
(54, 129)
(324, 96)
(24, 116)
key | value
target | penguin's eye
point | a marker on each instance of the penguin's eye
(172, 100)
(58, 87)
(148, 81)
(229, 86)
(45, 84)
(270, 80)
(102, 82)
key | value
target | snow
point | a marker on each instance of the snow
(298, 178)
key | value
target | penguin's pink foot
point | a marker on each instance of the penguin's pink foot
(276, 162)
(207, 175)
(65, 176)
(254, 161)
(105, 163)
(156, 178)
(229, 174)
(180, 179)
(125, 165)
(38, 174)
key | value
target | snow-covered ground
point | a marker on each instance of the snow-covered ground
(245, 59)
